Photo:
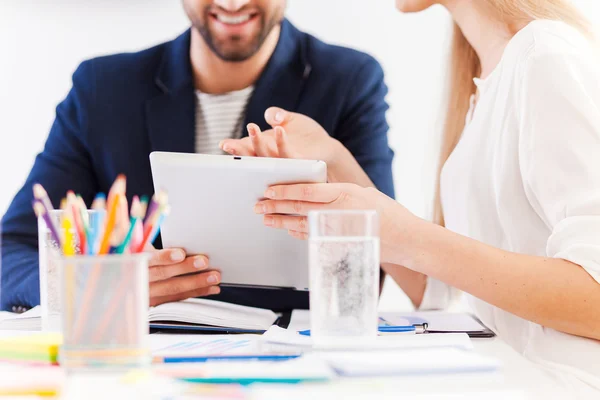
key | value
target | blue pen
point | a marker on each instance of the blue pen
(381, 329)
(171, 360)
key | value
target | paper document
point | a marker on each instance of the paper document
(202, 345)
(281, 336)
(305, 368)
(408, 361)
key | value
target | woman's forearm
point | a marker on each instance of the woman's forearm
(343, 167)
(551, 292)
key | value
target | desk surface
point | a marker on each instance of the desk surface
(518, 379)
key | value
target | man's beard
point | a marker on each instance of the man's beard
(235, 53)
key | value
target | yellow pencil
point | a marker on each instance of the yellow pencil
(69, 242)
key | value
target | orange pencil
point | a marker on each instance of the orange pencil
(117, 190)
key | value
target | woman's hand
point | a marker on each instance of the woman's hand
(300, 137)
(287, 207)
(307, 139)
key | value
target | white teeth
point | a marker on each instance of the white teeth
(233, 20)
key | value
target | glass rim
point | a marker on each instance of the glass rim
(342, 212)
(59, 211)
(102, 257)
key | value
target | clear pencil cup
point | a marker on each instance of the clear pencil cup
(49, 249)
(344, 277)
(105, 312)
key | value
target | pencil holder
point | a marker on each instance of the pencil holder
(105, 311)
(49, 250)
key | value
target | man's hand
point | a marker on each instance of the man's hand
(169, 279)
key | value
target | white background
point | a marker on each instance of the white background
(42, 42)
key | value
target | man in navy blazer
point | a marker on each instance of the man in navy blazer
(122, 107)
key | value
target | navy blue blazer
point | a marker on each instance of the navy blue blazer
(122, 107)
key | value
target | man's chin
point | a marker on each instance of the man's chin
(235, 54)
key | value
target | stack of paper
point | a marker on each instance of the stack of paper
(28, 321)
(278, 335)
(408, 362)
(202, 345)
(34, 349)
(213, 313)
(303, 369)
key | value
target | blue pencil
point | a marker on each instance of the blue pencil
(171, 360)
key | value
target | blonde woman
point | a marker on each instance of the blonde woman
(519, 187)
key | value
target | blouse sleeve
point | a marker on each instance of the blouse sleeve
(439, 295)
(559, 152)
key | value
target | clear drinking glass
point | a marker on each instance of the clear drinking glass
(344, 277)
(105, 311)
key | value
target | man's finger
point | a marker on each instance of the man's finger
(166, 257)
(189, 265)
(182, 284)
(313, 193)
(276, 116)
(287, 222)
(154, 301)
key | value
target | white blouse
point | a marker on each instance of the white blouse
(525, 177)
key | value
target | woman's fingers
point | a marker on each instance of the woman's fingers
(287, 222)
(261, 148)
(238, 147)
(290, 207)
(312, 193)
(298, 235)
(276, 116)
(283, 147)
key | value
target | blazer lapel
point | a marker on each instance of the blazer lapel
(283, 79)
(171, 114)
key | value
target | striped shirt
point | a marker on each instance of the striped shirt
(219, 117)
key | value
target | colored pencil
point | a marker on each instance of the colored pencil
(152, 208)
(40, 194)
(74, 209)
(41, 212)
(152, 218)
(136, 213)
(161, 219)
(97, 222)
(144, 203)
(117, 190)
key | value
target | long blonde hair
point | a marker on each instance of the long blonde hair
(465, 66)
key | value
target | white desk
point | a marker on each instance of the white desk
(518, 379)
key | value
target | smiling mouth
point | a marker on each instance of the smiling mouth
(233, 19)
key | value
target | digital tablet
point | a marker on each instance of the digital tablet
(212, 202)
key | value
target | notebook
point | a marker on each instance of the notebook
(188, 316)
(28, 321)
(210, 315)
